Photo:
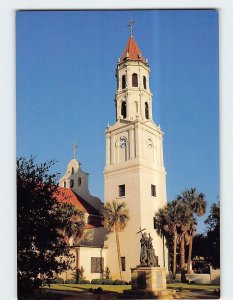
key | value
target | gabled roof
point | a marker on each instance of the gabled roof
(68, 196)
(132, 51)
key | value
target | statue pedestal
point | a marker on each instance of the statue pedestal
(148, 282)
(148, 278)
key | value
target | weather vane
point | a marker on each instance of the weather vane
(74, 148)
(131, 27)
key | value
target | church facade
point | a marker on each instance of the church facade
(134, 172)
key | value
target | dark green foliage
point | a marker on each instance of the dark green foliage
(108, 281)
(42, 224)
(84, 281)
(58, 281)
(213, 234)
(177, 223)
(119, 282)
(70, 281)
(208, 245)
(96, 281)
(79, 274)
(106, 274)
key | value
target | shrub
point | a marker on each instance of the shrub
(58, 280)
(83, 281)
(70, 281)
(97, 281)
(171, 280)
(106, 274)
(107, 282)
(80, 273)
(119, 282)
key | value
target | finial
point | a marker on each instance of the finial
(131, 27)
(74, 148)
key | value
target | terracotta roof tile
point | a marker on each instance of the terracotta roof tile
(68, 196)
(132, 51)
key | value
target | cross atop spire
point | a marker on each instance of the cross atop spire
(74, 148)
(131, 27)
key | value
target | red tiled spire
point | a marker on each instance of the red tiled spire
(132, 51)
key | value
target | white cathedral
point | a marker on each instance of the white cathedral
(134, 173)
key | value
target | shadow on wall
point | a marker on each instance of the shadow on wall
(94, 237)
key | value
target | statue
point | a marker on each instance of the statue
(147, 253)
(143, 254)
(152, 260)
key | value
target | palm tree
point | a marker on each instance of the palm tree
(74, 220)
(169, 221)
(115, 219)
(190, 234)
(196, 205)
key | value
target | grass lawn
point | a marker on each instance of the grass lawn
(187, 286)
(120, 288)
(86, 287)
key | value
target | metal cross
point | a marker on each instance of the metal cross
(131, 27)
(74, 148)
(141, 230)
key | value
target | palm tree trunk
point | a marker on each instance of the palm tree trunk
(182, 252)
(190, 253)
(174, 253)
(182, 258)
(118, 251)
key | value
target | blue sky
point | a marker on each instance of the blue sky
(66, 85)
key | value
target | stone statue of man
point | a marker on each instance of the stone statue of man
(143, 254)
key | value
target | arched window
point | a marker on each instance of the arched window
(146, 110)
(135, 80)
(64, 184)
(144, 82)
(79, 181)
(123, 82)
(123, 109)
(72, 170)
(71, 183)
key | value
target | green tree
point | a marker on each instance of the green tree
(115, 219)
(42, 224)
(195, 205)
(169, 221)
(213, 234)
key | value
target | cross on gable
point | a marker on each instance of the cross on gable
(74, 148)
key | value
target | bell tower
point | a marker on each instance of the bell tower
(134, 171)
(133, 98)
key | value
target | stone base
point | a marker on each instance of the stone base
(151, 279)
(148, 282)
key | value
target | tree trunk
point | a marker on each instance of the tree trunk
(174, 253)
(190, 254)
(182, 258)
(77, 264)
(182, 252)
(118, 251)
